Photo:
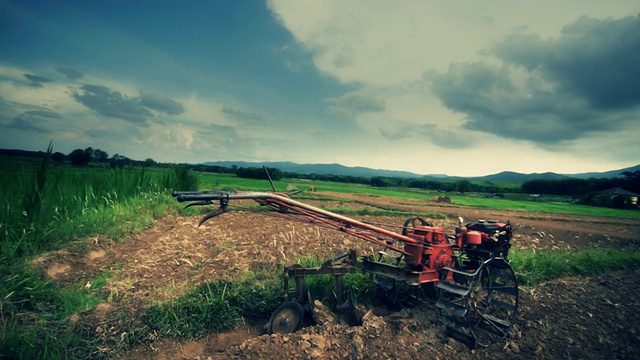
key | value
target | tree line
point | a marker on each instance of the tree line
(578, 187)
(80, 157)
(583, 189)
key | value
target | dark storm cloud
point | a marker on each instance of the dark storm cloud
(20, 116)
(553, 90)
(36, 80)
(123, 132)
(243, 116)
(596, 59)
(223, 134)
(446, 138)
(72, 74)
(224, 129)
(43, 114)
(161, 103)
(35, 120)
(5, 108)
(354, 103)
(20, 123)
(429, 133)
(395, 134)
(111, 103)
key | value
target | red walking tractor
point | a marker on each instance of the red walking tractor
(467, 270)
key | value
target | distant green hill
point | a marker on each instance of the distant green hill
(606, 174)
(337, 169)
(332, 169)
(341, 170)
(514, 177)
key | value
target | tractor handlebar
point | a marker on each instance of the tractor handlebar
(183, 196)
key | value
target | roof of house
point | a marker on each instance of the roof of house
(617, 191)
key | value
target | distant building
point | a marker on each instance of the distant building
(621, 193)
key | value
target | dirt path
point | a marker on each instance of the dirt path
(595, 317)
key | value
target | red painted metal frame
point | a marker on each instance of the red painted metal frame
(281, 203)
(427, 241)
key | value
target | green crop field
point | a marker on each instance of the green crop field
(46, 208)
(207, 181)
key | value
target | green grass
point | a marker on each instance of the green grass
(382, 212)
(536, 267)
(516, 202)
(207, 181)
(35, 317)
(48, 207)
(222, 305)
(216, 306)
(45, 207)
(544, 207)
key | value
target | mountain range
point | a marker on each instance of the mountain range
(337, 169)
(341, 170)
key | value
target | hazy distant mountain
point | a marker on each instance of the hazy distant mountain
(606, 174)
(514, 177)
(333, 169)
(337, 169)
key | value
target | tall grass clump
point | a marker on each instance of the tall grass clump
(536, 267)
(216, 306)
(35, 316)
(45, 207)
(181, 178)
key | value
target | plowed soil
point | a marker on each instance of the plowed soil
(592, 317)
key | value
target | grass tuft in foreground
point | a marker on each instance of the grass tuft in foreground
(534, 268)
(47, 207)
(216, 306)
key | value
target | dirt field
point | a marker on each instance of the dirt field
(595, 317)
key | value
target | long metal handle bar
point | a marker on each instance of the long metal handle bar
(281, 203)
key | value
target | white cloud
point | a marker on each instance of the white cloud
(203, 112)
(385, 54)
(171, 136)
(368, 42)
(390, 51)
(387, 43)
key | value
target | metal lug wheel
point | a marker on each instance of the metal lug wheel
(286, 319)
(493, 302)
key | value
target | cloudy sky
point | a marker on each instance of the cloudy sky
(434, 87)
